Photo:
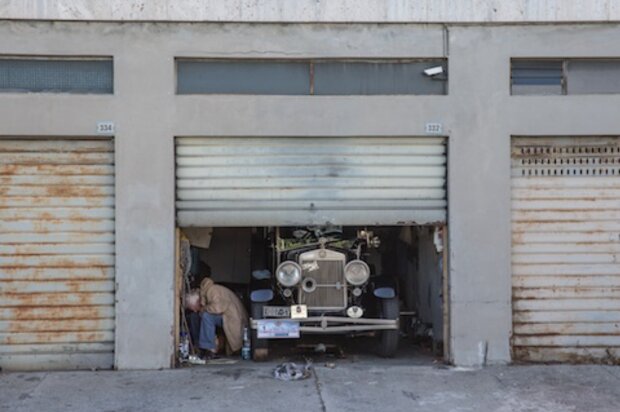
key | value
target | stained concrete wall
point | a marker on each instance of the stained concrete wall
(428, 281)
(478, 115)
(323, 11)
(229, 255)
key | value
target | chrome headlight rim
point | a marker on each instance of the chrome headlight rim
(296, 279)
(354, 281)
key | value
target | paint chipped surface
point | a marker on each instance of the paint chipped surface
(288, 181)
(56, 253)
(566, 249)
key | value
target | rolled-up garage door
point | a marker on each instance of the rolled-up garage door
(284, 181)
(566, 249)
(56, 253)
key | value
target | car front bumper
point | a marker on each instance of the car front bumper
(337, 324)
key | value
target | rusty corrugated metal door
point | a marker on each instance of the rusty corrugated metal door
(566, 249)
(56, 253)
(310, 181)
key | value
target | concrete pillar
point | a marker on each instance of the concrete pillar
(144, 206)
(479, 201)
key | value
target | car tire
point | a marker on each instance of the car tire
(388, 339)
(260, 347)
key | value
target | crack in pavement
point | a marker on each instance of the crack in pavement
(29, 394)
(38, 383)
(609, 372)
(317, 384)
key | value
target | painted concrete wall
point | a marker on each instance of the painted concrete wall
(484, 118)
(320, 11)
(229, 255)
(478, 115)
(428, 281)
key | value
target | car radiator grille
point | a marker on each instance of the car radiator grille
(326, 295)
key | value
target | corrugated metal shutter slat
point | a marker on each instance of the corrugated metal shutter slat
(566, 248)
(310, 181)
(56, 253)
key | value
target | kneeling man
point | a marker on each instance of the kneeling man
(218, 306)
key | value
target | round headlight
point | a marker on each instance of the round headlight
(288, 273)
(357, 272)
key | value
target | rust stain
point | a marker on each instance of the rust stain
(57, 313)
(92, 337)
(517, 237)
(48, 299)
(8, 169)
(72, 325)
(75, 285)
(73, 191)
(90, 263)
(36, 158)
(37, 273)
(101, 272)
(81, 280)
(58, 169)
(56, 337)
(46, 216)
(538, 355)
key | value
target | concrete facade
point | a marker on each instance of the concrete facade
(319, 11)
(478, 115)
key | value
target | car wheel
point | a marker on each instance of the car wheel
(388, 339)
(260, 347)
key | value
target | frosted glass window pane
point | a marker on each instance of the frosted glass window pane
(243, 77)
(56, 75)
(378, 78)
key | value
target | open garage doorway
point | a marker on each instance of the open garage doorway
(321, 236)
(363, 290)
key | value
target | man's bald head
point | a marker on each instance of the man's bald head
(192, 301)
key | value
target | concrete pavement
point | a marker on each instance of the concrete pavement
(349, 385)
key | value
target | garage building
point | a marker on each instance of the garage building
(118, 125)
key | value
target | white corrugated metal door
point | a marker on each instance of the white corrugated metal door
(56, 253)
(566, 249)
(310, 181)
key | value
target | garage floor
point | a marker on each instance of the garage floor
(336, 349)
(358, 383)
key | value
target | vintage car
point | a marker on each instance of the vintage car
(320, 283)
